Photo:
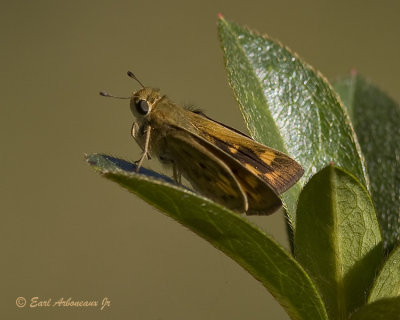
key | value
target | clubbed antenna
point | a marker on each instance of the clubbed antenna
(106, 94)
(130, 74)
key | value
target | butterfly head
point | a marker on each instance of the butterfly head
(143, 101)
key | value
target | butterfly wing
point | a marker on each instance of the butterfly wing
(206, 173)
(219, 176)
(275, 168)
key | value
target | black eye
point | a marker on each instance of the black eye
(142, 107)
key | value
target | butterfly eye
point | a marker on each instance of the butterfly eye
(142, 107)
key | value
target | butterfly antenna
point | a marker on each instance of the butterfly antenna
(130, 74)
(106, 94)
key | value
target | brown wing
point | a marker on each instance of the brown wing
(219, 176)
(275, 168)
(207, 174)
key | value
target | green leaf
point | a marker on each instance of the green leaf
(376, 119)
(386, 309)
(337, 239)
(387, 284)
(256, 252)
(288, 106)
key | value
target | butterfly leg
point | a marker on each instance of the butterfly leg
(177, 174)
(145, 149)
(135, 132)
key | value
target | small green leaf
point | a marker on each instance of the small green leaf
(376, 119)
(337, 239)
(288, 106)
(387, 284)
(256, 252)
(385, 309)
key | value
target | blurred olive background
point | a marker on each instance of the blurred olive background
(67, 232)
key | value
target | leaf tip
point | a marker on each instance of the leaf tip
(220, 16)
(93, 160)
(89, 158)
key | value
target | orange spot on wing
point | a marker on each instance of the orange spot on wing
(251, 168)
(267, 157)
